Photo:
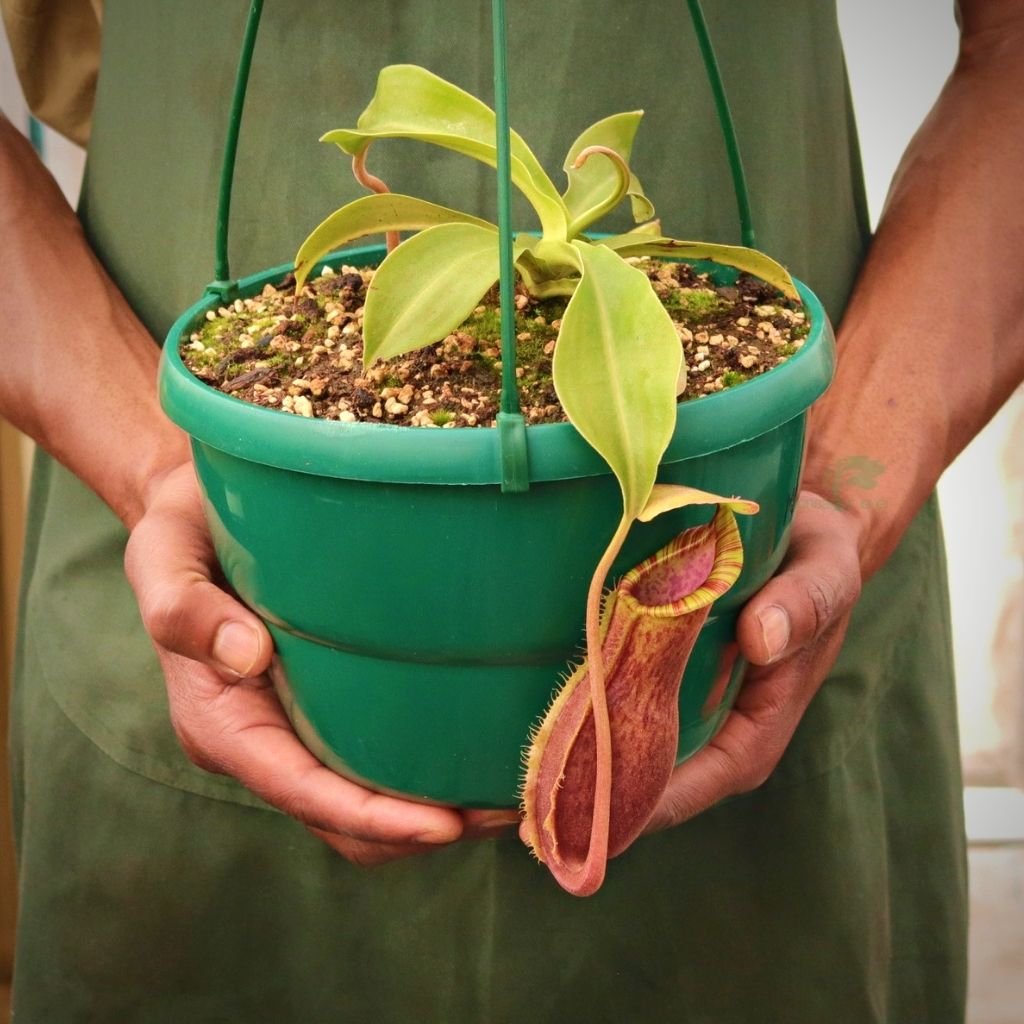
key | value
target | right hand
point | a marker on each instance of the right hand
(215, 653)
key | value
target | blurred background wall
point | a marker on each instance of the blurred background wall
(899, 52)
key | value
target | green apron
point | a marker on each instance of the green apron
(153, 892)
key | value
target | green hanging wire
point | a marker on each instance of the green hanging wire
(511, 425)
(222, 272)
(509, 394)
(739, 180)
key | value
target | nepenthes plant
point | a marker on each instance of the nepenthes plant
(602, 755)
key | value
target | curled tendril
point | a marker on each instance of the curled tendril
(374, 184)
(625, 177)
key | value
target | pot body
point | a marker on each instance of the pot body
(422, 620)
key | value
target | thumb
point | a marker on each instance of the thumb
(818, 585)
(169, 562)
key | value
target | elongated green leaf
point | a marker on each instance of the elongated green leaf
(666, 497)
(412, 103)
(596, 183)
(615, 369)
(373, 215)
(427, 287)
(751, 261)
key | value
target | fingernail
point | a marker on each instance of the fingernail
(775, 628)
(236, 646)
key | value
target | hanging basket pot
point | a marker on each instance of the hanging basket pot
(422, 617)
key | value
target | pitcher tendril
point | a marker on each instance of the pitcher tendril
(374, 184)
(625, 175)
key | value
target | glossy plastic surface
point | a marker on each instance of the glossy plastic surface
(389, 601)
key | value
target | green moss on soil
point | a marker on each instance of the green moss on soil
(694, 306)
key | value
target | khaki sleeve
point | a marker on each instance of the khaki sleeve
(56, 47)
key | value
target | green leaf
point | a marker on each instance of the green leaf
(649, 232)
(593, 185)
(372, 215)
(615, 369)
(549, 288)
(427, 287)
(547, 268)
(751, 261)
(412, 103)
(667, 497)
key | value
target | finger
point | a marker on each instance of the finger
(169, 562)
(818, 584)
(739, 759)
(243, 731)
(369, 855)
(755, 735)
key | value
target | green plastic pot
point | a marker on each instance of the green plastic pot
(422, 617)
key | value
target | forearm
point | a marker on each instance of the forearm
(78, 369)
(933, 340)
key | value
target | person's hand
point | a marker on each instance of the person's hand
(214, 653)
(790, 632)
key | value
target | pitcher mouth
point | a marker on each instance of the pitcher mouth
(636, 586)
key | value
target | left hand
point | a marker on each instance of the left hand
(224, 710)
(790, 632)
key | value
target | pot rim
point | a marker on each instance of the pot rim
(386, 453)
